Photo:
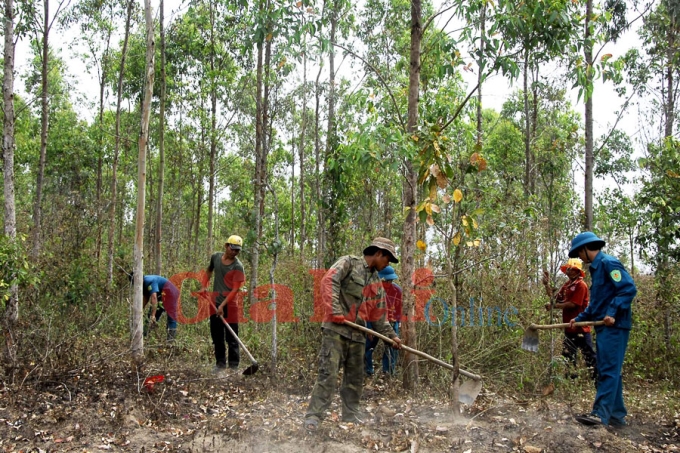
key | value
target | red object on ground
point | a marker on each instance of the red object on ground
(152, 380)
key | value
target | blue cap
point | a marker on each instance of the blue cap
(388, 274)
(581, 239)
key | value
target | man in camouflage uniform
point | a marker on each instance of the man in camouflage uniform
(350, 290)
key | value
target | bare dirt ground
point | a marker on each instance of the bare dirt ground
(107, 409)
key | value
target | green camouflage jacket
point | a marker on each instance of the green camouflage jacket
(351, 289)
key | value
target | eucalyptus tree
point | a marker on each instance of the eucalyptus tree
(117, 140)
(11, 314)
(304, 121)
(659, 199)
(137, 341)
(41, 27)
(336, 10)
(661, 40)
(45, 79)
(602, 24)
(275, 25)
(98, 22)
(202, 54)
(70, 175)
(538, 32)
(161, 145)
(221, 74)
(554, 143)
(657, 73)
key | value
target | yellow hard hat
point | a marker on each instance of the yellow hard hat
(235, 241)
(575, 263)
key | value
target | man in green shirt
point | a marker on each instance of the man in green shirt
(229, 278)
(351, 290)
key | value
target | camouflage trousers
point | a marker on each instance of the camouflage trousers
(336, 352)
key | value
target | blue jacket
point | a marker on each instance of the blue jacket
(611, 293)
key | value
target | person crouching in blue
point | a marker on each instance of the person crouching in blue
(163, 296)
(393, 299)
(611, 294)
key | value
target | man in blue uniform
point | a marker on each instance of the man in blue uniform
(611, 293)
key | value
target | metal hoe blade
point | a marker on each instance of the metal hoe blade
(252, 369)
(530, 339)
(468, 391)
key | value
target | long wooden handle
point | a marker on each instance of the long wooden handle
(231, 331)
(413, 351)
(565, 325)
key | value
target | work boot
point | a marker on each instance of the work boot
(219, 369)
(172, 333)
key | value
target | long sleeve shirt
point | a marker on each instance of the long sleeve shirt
(576, 292)
(611, 293)
(351, 289)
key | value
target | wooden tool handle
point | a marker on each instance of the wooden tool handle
(413, 351)
(566, 325)
(240, 343)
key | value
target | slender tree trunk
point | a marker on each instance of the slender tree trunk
(303, 129)
(11, 315)
(409, 201)
(589, 158)
(197, 221)
(200, 171)
(212, 170)
(534, 127)
(263, 75)
(292, 193)
(331, 212)
(480, 75)
(267, 127)
(321, 233)
(116, 150)
(213, 132)
(455, 286)
(137, 344)
(631, 243)
(127, 148)
(663, 269)
(44, 124)
(100, 150)
(670, 87)
(259, 183)
(527, 128)
(274, 298)
(177, 176)
(149, 213)
(161, 149)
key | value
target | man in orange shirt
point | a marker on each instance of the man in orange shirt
(572, 299)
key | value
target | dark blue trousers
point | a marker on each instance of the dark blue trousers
(389, 358)
(611, 348)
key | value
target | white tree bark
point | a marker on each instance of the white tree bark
(11, 315)
(137, 345)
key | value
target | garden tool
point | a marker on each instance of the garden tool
(252, 369)
(530, 339)
(468, 391)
